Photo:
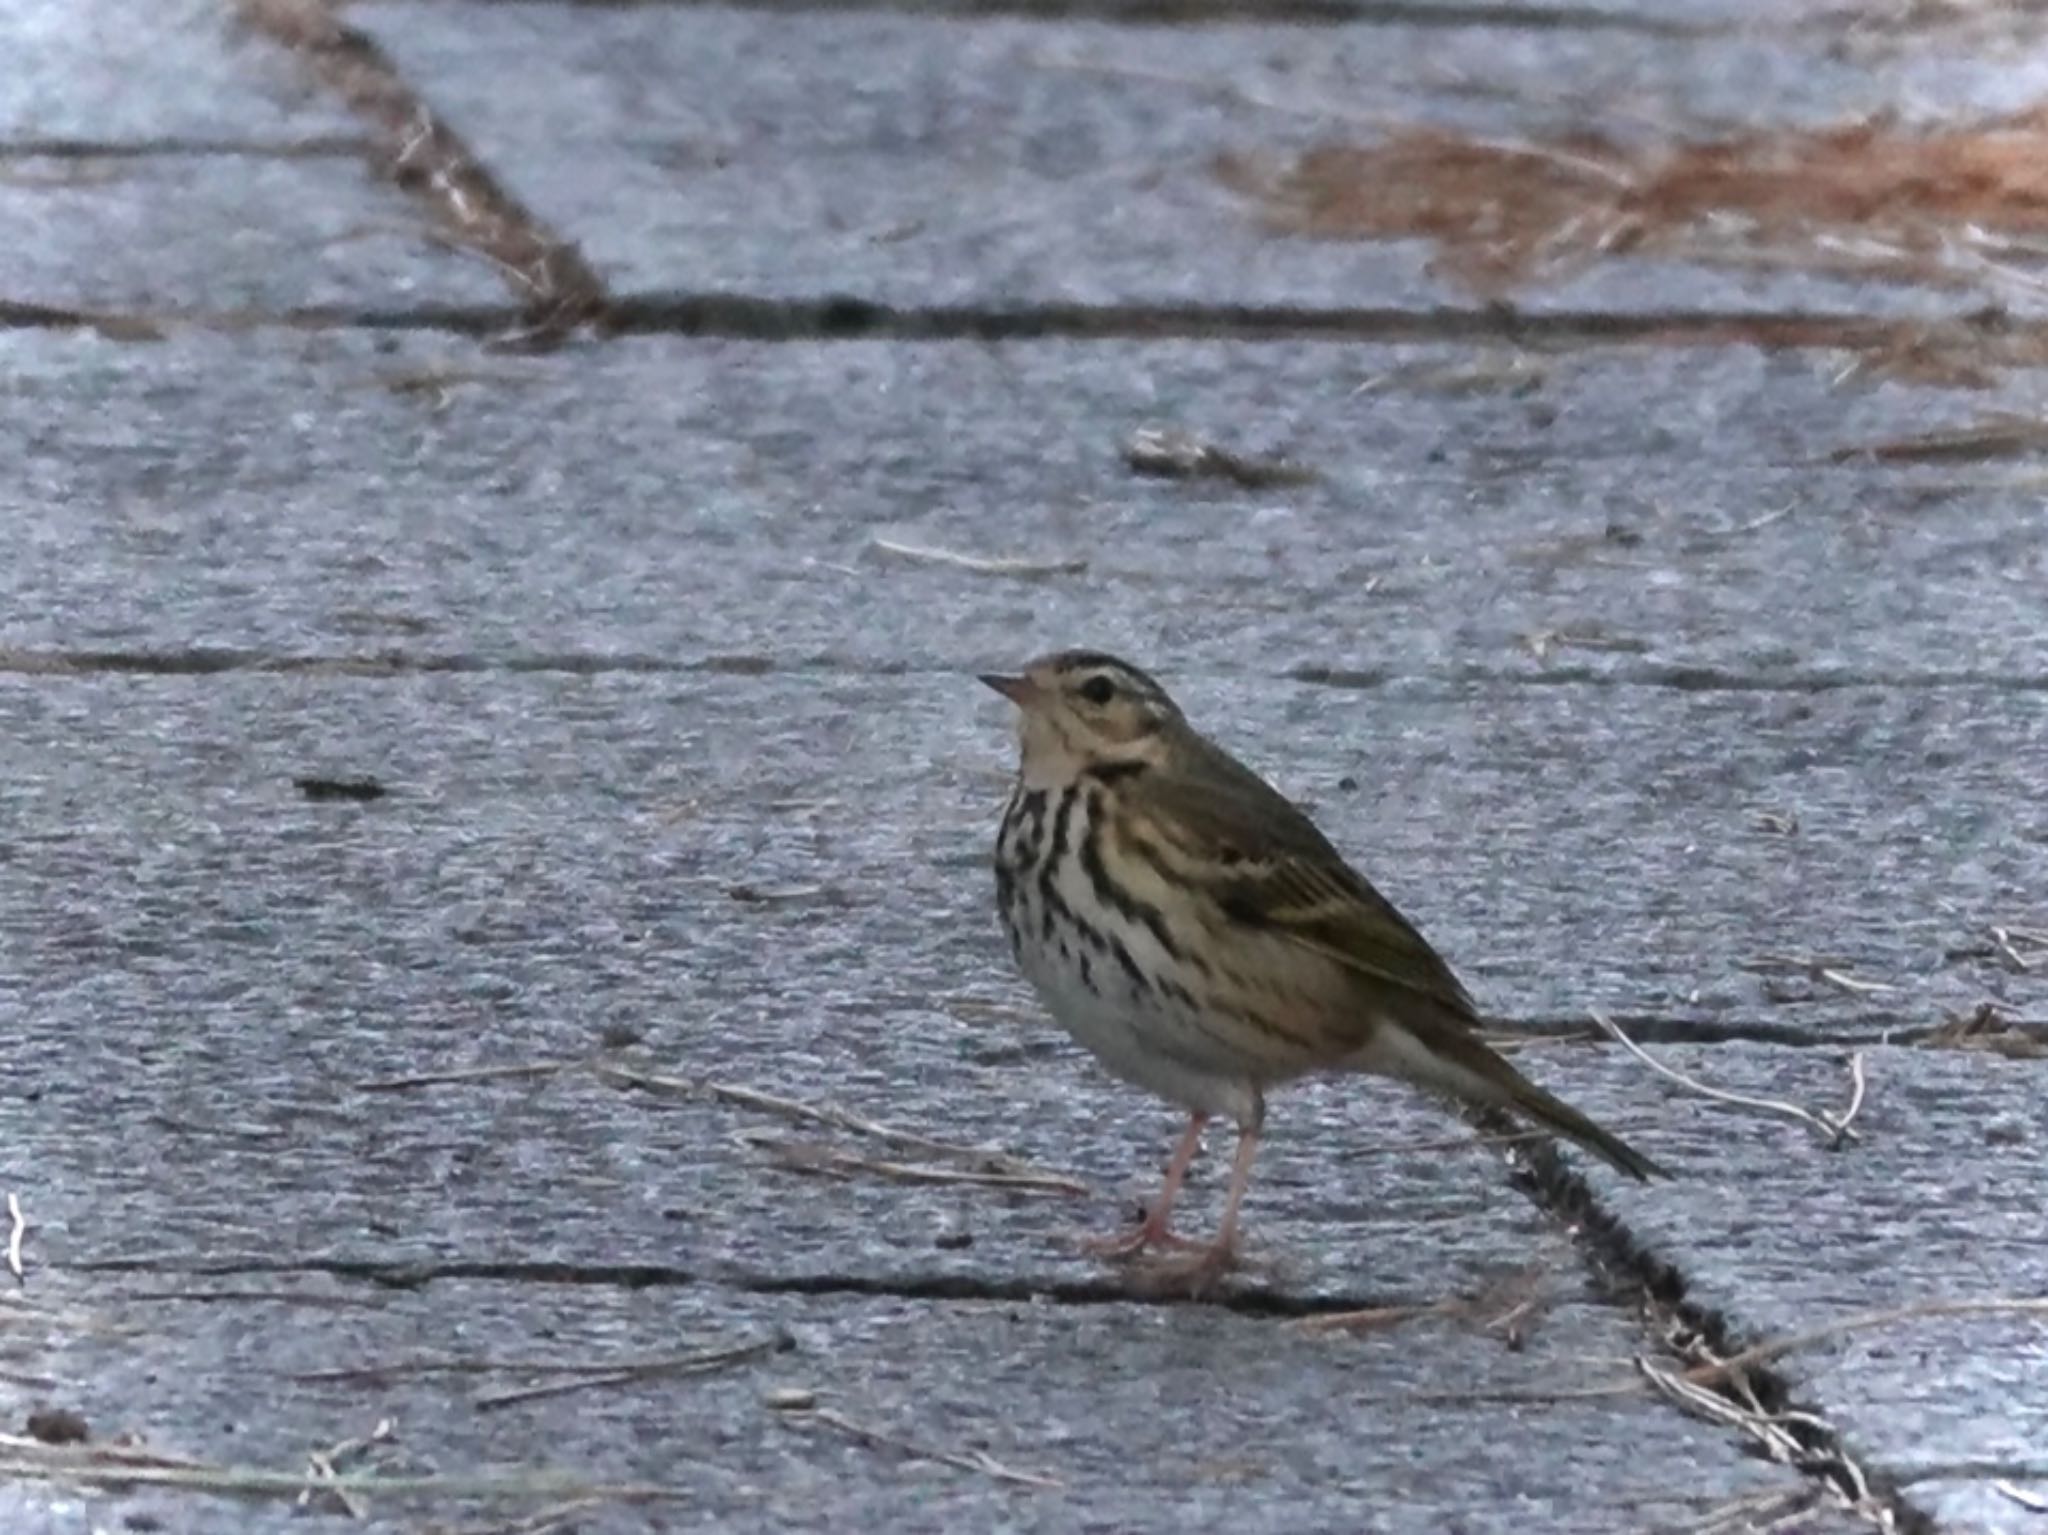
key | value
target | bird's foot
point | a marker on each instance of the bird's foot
(1150, 1235)
(1192, 1273)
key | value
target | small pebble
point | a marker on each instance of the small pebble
(2005, 1130)
(340, 788)
(789, 1399)
(58, 1425)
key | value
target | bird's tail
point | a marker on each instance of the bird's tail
(1451, 1059)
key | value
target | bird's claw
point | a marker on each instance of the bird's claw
(1147, 1236)
(1192, 1273)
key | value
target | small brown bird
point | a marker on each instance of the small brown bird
(1196, 932)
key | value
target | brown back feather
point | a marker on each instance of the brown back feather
(1275, 871)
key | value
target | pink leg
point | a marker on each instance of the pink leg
(1240, 1180)
(1199, 1269)
(1155, 1230)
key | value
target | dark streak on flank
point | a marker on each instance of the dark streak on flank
(1053, 905)
(1154, 858)
(1140, 983)
(1031, 803)
(1113, 895)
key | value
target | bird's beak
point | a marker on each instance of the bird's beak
(1019, 690)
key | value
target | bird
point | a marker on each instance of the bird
(1195, 931)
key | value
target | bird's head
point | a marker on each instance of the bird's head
(1080, 710)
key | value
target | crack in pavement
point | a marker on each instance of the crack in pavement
(1683, 677)
(316, 147)
(557, 293)
(411, 1275)
(557, 289)
(207, 660)
(153, 324)
(1517, 15)
(1691, 1333)
(1759, 1400)
(846, 316)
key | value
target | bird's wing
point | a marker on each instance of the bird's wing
(1268, 868)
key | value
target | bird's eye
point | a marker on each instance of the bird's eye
(1098, 690)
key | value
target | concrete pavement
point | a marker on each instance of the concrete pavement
(621, 432)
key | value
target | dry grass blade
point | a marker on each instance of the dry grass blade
(537, 1523)
(1770, 1429)
(2001, 435)
(1813, 969)
(576, 1372)
(1744, 1513)
(1863, 1321)
(1541, 1397)
(1508, 1044)
(1500, 1305)
(118, 1466)
(980, 565)
(800, 1112)
(978, 1461)
(2009, 951)
(588, 1377)
(323, 1468)
(1841, 980)
(134, 1456)
(1858, 1085)
(1986, 1028)
(1372, 1318)
(824, 1160)
(1169, 453)
(1953, 205)
(2019, 1495)
(472, 1074)
(1834, 1130)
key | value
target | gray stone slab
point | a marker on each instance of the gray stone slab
(1681, 17)
(1150, 1418)
(1939, 1202)
(1998, 1506)
(1633, 515)
(562, 853)
(561, 857)
(694, 506)
(143, 72)
(1004, 161)
(224, 234)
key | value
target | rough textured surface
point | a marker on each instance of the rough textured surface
(1148, 1417)
(1940, 1202)
(679, 513)
(566, 855)
(138, 73)
(1005, 162)
(1706, 685)
(1569, 851)
(157, 161)
(236, 235)
(562, 856)
(1644, 515)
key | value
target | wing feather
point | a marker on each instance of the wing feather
(1269, 868)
